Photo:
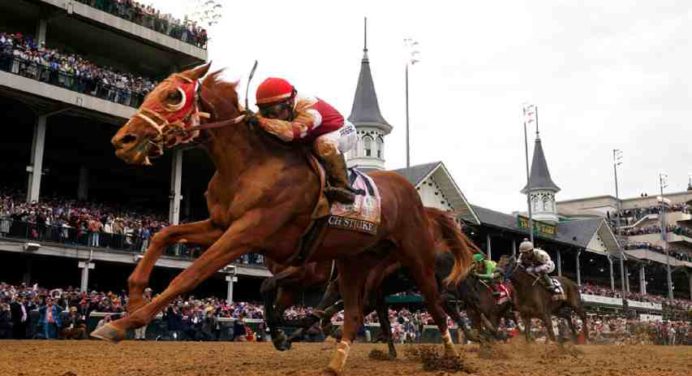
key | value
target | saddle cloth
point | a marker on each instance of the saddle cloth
(364, 215)
(561, 291)
(504, 293)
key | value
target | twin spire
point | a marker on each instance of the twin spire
(366, 109)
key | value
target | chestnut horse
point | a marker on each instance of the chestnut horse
(261, 199)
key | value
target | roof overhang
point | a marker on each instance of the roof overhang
(449, 187)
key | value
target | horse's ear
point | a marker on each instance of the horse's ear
(197, 72)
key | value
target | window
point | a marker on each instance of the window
(367, 145)
(380, 147)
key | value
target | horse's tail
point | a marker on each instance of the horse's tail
(445, 230)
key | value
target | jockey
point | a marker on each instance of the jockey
(294, 118)
(538, 261)
(484, 270)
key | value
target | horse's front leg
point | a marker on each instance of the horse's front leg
(285, 297)
(201, 233)
(239, 239)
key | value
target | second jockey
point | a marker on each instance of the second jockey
(484, 270)
(294, 118)
(538, 261)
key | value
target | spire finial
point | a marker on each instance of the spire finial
(538, 135)
(365, 34)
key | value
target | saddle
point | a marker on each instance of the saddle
(362, 216)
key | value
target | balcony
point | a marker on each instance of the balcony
(122, 25)
(64, 91)
(66, 241)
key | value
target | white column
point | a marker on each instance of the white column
(514, 248)
(83, 183)
(230, 279)
(176, 181)
(35, 169)
(85, 266)
(558, 260)
(610, 269)
(489, 247)
(642, 279)
(41, 29)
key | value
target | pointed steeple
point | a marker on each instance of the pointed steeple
(540, 176)
(366, 109)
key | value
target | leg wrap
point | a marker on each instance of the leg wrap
(339, 358)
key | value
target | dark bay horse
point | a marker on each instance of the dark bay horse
(386, 277)
(262, 198)
(532, 300)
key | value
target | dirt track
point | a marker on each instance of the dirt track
(86, 358)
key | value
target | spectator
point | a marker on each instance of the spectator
(20, 318)
(50, 319)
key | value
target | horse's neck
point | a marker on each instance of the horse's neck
(521, 279)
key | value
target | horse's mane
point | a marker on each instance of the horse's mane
(222, 92)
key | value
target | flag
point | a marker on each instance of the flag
(529, 113)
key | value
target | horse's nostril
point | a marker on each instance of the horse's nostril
(128, 139)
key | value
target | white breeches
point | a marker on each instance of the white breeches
(342, 139)
(547, 268)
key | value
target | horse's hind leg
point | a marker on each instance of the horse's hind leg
(527, 326)
(548, 322)
(385, 325)
(424, 275)
(285, 297)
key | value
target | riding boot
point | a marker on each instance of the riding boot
(548, 283)
(339, 188)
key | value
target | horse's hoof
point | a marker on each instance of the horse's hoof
(110, 333)
(282, 346)
(330, 372)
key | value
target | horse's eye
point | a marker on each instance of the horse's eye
(175, 97)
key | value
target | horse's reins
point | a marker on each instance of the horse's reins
(166, 127)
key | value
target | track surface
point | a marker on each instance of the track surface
(87, 358)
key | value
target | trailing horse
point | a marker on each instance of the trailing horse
(386, 277)
(532, 300)
(262, 198)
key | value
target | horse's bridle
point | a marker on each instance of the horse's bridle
(183, 123)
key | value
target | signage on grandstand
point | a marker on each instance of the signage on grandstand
(539, 228)
(598, 299)
(647, 317)
(644, 305)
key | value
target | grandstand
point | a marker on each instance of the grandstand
(71, 72)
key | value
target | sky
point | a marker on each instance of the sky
(604, 75)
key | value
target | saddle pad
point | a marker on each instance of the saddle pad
(561, 291)
(364, 215)
(504, 293)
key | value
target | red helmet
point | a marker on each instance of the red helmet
(274, 90)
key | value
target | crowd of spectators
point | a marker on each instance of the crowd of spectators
(23, 55)
(612, 328)
(185, 30)
(676, 304)
(631, 216)
(36, 312)
(84, 223)
(656, 229)
(682, 256)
